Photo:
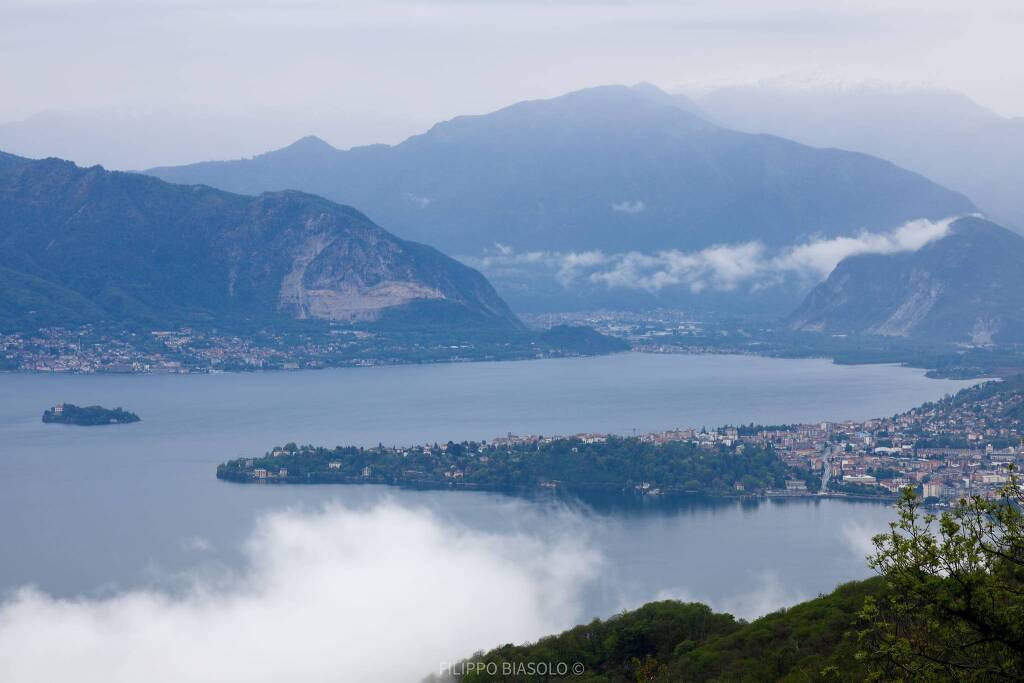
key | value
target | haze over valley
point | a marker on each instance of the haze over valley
(436, 341)
(598, 180)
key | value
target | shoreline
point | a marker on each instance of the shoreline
(930, 373)
(564, 490)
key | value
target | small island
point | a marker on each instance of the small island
(87, 416)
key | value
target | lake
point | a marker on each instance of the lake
(93, 511)
(120, 543)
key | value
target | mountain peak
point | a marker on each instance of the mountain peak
(612, 95)
(310, 142)
(599, 113)
(199, 254)
(651, 90)
(614, 168)
(977, 224)
(303, 148)
(964, 287)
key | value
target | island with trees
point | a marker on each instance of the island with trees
(582, 463)
(87, 416)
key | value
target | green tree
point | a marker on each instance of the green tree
(953, 604)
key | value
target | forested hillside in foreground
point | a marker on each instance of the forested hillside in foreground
(675, 641)
(948, 605)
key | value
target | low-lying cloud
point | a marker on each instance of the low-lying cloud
(634, 206)
(722, 267)
(859, 538)
(384, 594)
(822, 256)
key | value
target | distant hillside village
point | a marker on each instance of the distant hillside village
(954, 448)
(958, 447)
(89, 350)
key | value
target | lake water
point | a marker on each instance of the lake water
(96, 511)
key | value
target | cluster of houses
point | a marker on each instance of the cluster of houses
(511, 440)
(84, 350)
(945, 450)
(55, 349)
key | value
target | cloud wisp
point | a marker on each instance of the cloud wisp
(822, 256)
(723, 267)
(340, 595)
(635, 206)
(764, 592)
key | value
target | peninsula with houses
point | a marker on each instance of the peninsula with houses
(961, 446)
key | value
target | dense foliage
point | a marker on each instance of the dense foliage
(88, 416)
(615, 464)
(839, 486)
(953, 608)
(671, 641)
(814, 640)
(1009, 387)
(616, 649)
(581, 339)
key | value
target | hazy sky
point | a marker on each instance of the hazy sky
(357, 71)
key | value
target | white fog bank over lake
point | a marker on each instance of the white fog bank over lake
(393, 591)
(384, 594)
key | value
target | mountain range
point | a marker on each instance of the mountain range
(623, 197)
(612, 169)
(967, 287)
(941, 134)
(85, 245)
